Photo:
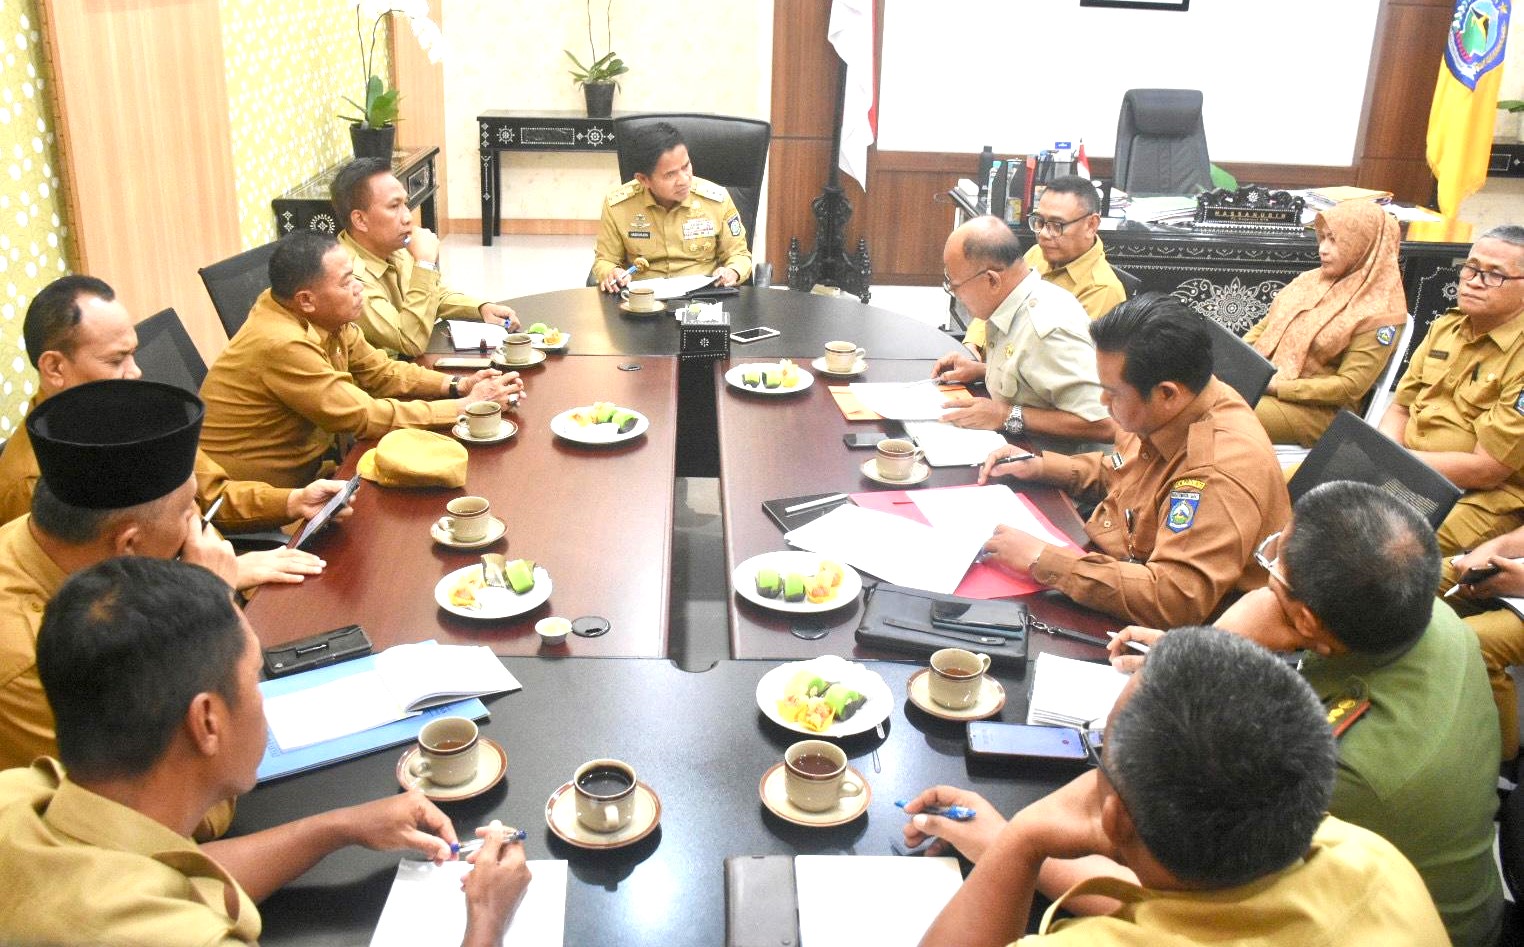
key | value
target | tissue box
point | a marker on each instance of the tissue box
(703, 332)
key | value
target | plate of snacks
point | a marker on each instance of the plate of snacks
(826, 696)
(602, 422)
(782, 377)
(799, 582)
(547, 338)
(496, 587)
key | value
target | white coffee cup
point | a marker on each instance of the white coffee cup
(897, 458)
(518, 349)
(642, 299)
(469, 519)
(814, 776)
(841, 357)
(605, 791)
(482, 419)
(446, 752)
(956, 678)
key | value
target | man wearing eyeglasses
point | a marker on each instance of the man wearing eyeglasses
(1460, 404)
(1040, 364)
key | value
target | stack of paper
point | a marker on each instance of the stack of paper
(474, 336)
(894, 548)
(949, 446)
(671, 287)
(842, 898)
(427, 906)
(1070, 693)
(902, 401)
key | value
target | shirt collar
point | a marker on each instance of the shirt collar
(1170, 439)
(1079, 268)
(104, 823)
(1015, 301)
(1504, 336)
(373, 264)
(35, 561)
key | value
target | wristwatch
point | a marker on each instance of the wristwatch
(454, 387)
(427, 264)
(1015, 423)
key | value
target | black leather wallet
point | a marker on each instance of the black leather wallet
(899, 619)
(330, 647)
(761, 902)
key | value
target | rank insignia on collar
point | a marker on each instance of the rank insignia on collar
(1345, 708)
(1114, 458)
(1386, 334)
(1182, 509)
(1010, 349)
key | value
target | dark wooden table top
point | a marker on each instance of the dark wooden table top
(599, 519)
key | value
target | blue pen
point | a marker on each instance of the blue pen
(955, 813)
(466, 848)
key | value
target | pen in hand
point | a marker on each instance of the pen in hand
(468, 847)
(955, 813)
(211, 511)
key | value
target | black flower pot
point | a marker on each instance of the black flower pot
(600, 99)
(373, 142)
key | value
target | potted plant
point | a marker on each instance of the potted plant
(597, 78)
(373, 126)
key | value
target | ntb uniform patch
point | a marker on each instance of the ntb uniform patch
(1386, 335)
(734, 223)
(1184, 497)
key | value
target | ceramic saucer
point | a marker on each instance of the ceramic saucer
(658, 311)
(991, 698)
(495, 530)
(499, 360)
(918, 473)
(847, 808)
(858, 367)
(507, 430)
(491, 767)
(561, 816)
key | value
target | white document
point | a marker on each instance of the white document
(1410, 214)
(426, 906)
(892, 547)
(1070, 693)
(671, 287)
(847, 899)
(336, 709)
(902, 401)
(983, 508)
(426, 674)
(949, 446)
(470, 336)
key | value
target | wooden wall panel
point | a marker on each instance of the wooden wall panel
(144, 139)
(1404, 65)
(423, 115)
(805, 75)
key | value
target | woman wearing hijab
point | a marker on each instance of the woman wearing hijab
(1331, 331)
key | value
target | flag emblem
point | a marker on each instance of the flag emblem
(1474, 43)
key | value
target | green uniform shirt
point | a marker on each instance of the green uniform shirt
(1419, 766)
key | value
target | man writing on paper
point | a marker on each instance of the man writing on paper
(681, 224)
(397, 263)
(1352, 587)
(1190, 491)
(1040, 362)
(1205, 822)
(154, 677)
(299, 375)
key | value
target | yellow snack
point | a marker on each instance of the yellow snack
(464, 592)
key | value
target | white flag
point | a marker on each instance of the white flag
(851, 32)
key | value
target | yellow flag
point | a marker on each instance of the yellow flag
(1466, 99)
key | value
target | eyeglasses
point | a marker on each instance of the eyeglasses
(1268, 564)
(948, 285)
(1490, 278)
(1039, 223)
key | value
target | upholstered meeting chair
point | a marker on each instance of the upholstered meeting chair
(1351, 449)
(731, 152)
(1237, 364)
(167, 354)
(235, 283)
(1161, 143)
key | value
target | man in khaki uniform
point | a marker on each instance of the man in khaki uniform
(681, 225)
(299, 374)
(1199, 825)
(1191, 490)
(1040, 367)
(155, 677)
(1460, 406)
(398, 264)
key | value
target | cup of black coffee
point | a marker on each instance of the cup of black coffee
(605, 791)
(814, 776)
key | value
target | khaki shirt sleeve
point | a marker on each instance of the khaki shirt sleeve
(407, 328)
(1357, 372)
(1079, 475)
(730, 249)
(1097, 299)
(1500, 428)
(608, 254)
(16, 497)
(1064, 375)
(28, 731)
(1411, 384)
(246, 504)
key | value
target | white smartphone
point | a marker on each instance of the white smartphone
(753, 335)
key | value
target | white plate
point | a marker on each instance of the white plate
(744, 580)
(493, 602)
(733, 378)
(562, 425)
(538, 341)
(874, 711)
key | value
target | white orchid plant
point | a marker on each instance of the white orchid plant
(381, 104)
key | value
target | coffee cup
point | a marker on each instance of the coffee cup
(518, 349)
(897, 458)
(841, 357)
(957, 677)
(446, 752)
(605, 791)
(482, 419)
(552, 630)
(641, 299)
(815, 776)
(469, 519)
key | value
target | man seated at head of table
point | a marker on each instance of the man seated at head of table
(1460, 405)
(299, 375)
(1352, 586)
(1039, 367)
(1190, 490)
(1206, 821)
(1332, 330)
(154, 676)
(398, 264)
(680, 224)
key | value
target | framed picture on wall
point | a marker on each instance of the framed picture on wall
(1181, 5)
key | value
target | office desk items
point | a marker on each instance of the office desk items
(426, 906)
(474, 845)
(989, 702)
(491, 767)
(790, 512)
(899, 619)
(761, 908)
(947, 445)
(894, 548)
(673, 287)
(469, 336)
(850, 406)
(1070, 693)
(898, 401)
(842, 898)
(1137, 646)
(320, 650)
(955, 813)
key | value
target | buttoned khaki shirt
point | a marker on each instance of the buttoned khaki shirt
(1040, 354)
(1181, 514)
(283, 389)
(697, 236)
(403, 301)
(28, 579)
(1352, 887)
(78, 868)
(1088, 277)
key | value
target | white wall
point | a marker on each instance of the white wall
(1044, 70)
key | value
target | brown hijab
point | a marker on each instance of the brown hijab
(1311, 321)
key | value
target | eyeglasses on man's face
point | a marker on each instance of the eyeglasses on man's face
(1491, 279)
(1038, 223)
(1272, 566)
(949, 287)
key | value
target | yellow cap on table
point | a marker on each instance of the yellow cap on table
(414, 458)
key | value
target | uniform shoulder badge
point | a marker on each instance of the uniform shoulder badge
(1345, 707)
(710, 190)
(733, 222)
(624, 191)
(1184, 497)
(1386, 335)
(1518, 403)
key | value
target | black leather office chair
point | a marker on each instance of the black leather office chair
(1237, 364)
(167, 354)
(731, 152)
(1131, 285)
(1351, 449)
(235, 283)
(1161, 143)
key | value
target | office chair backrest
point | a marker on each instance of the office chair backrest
(1353, 450)
(1237, 364)
(1131, 285)
(1381, 391)
(236, 282)
(731, 152)
(167, 354)
(1161, 143)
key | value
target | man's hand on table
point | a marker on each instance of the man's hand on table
(983, 413)
(497, 882)
(492, 385)
(1013, 549)
(392, 823)
(957, 367)
(499, 315)
(1009, 461)
(276, 567)
(725, 276)
(971, 837)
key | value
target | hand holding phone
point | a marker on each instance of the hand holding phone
(1479, 574)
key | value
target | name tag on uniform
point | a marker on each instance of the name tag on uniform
(695, 227)
(640, 234)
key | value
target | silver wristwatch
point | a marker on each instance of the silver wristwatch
(427, 264)
(1015, 423)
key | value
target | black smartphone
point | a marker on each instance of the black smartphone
(863, 439)
(992, 614)
(991, 740)
(320, 650)
(335, 504)
(1479, 574)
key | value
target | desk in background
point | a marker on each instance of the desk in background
(500, 131)
(309, 207)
